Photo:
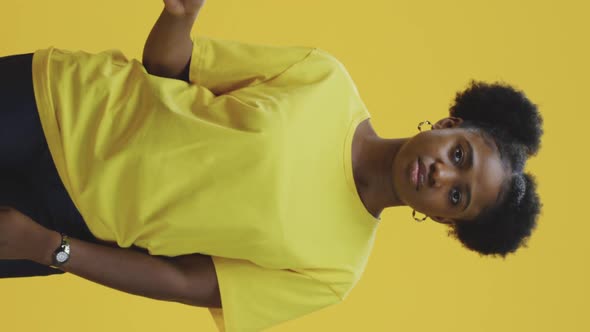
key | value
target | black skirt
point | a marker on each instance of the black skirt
(29, 181)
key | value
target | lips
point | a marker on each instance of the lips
(422, 174)
(415, 174)
(418, 174)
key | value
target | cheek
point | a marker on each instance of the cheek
(432, 202)
(436, 203)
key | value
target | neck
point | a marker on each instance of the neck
(373, 172)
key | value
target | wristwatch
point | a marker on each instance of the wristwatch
(62, 253)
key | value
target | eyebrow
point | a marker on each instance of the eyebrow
(469, 164)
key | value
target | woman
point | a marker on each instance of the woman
(242, 178)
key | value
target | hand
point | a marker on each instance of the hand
(183, 7)
(23, 238)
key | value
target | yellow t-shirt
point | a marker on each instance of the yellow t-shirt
(249, 163)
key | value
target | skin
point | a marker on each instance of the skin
(182, 8)
(189, 279)
(382, 170)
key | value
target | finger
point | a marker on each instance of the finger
(174, 7)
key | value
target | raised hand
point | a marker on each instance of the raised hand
(183, 7)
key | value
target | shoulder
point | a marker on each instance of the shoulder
(328, 59)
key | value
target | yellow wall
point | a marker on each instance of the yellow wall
(408, 59)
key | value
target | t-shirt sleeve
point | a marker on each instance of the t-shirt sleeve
(223, 66)
(254, 298)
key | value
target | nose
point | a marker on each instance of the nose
(442, 174)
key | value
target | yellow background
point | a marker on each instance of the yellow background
(408, 58)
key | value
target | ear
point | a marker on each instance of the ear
(448, 122)
(442, 220)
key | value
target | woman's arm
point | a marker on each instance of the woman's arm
(188, 279)
(168, 48)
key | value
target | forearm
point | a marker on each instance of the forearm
(126, 270)
(168, 48)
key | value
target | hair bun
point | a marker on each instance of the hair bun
(508, 226)
(500, 106)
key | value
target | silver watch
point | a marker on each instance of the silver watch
(62, 253)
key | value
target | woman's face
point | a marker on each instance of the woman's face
(448, 173)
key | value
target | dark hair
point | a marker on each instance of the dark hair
(507, 116)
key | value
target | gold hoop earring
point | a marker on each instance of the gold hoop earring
(423, 123)
(417, 219)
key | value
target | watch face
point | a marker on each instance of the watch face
(61, 257)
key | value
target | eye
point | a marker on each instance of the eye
(455, 196)
(458, 154)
